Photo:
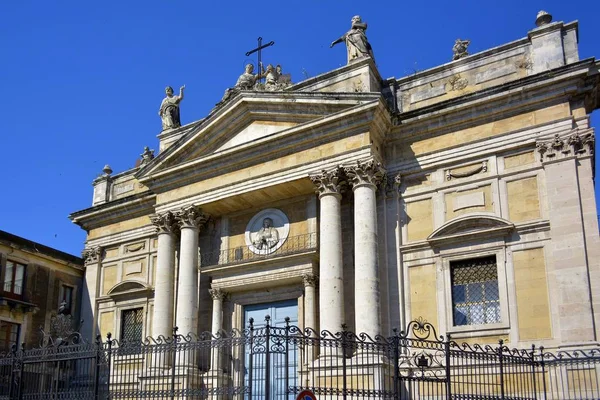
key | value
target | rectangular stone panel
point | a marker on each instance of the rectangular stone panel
(134, 268)
(523, 200)
(494, 73)
(469, 201)
(423, 299)
(107, 323)
(519, 160)
(428, 93)
(109, 274)
(531, 286)
(419, 218)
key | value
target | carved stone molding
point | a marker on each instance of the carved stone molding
(92, 255)
(164, 222)
(218, 294)
(476, 170)
(457, 83)
(391, 186)
(575, 144)
(310, 280)
(328, 182)
(365, 173)
(191, 217)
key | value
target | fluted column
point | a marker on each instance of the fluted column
(364, 178)
(331, 273)
(191, 221)
(162, 318)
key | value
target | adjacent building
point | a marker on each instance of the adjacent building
(37, 282)
(462, 194)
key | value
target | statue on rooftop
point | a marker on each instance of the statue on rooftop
(356, 41)
(169, 109)
(460, 49)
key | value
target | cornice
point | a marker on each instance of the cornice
(354, 120)
(117, 210)
(514, 96)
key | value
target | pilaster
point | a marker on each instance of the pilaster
(91, 290)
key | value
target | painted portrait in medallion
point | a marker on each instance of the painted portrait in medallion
(267, 231)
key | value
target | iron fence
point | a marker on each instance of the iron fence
(278, 362)
(240, 254)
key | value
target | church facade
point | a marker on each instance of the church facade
(462, 195)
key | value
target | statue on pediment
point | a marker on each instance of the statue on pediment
(460, 49)
(356, 41)
(169, 109)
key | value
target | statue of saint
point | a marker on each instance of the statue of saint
(460, 49)
(247, 80)
(267, 236)
(169, 109)
(356, 40)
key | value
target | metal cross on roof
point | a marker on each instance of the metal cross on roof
(258, 49)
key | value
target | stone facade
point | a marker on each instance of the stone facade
(36, 281)
(388, 187)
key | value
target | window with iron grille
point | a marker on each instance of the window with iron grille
(9, 335)
(14, 279)
(475, 294)
(132, 325)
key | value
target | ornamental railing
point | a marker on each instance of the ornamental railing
(242, 254)
(270, 361)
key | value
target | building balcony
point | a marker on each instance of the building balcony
(244, 254)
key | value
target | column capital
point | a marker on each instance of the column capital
(91, 255)
(328, 182)
(310, 280)
(191, 217)
(164, 222)
(365, 173)
(575, 143)
(218, 294)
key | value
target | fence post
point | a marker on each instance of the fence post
(108, 363)
(173, 361)
(22, 355)
(97, 369)
(543, 371)
(268, 357)
(287, 355)
(448, 367)
(396, 344)
(13, 376)
(500, 351)
(533, 371)
(250, 361)
(344, 378)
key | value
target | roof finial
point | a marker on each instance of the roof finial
(543, 18)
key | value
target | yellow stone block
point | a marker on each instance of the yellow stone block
(531, 286)
(523, 200)
(419, 219)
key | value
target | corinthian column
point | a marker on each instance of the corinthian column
(331, 273)
(364, 177)
(191, 221)
(162, 318)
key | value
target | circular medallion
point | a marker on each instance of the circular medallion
(267, 231)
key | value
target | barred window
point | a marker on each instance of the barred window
(9, 335)
(475, 294)
(132, 325)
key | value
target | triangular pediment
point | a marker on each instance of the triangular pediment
(471, 226)
(255, 119)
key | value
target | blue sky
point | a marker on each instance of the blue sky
(83, 79)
